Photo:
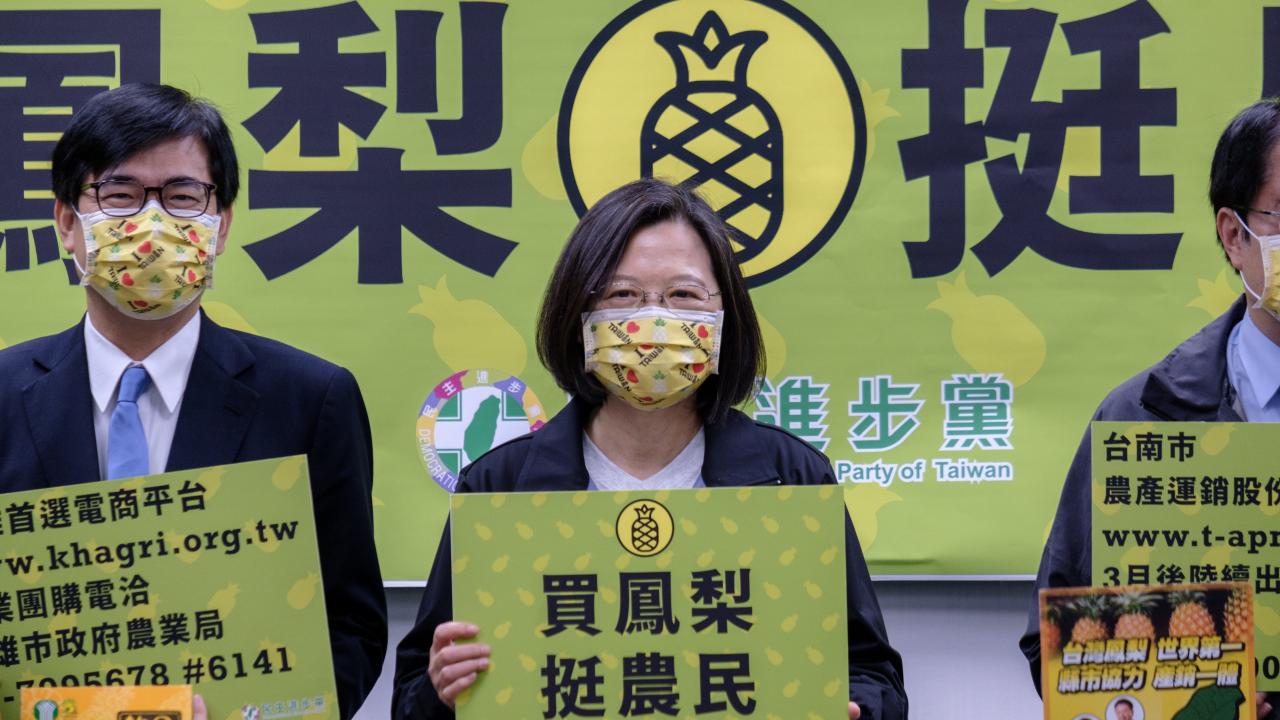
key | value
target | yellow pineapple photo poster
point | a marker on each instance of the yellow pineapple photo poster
(130, 702)
(1154, 652)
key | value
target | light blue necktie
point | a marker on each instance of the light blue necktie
(127, 453)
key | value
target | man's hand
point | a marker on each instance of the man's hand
(453, 667)
(1264, 707)
(854, 711)
(198, 710)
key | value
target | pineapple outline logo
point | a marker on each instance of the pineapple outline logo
(734, 109)
(704, 93)
(645, 527)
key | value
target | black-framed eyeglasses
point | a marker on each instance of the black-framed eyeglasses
(1246, 210)
(122, 198)
(681, 296)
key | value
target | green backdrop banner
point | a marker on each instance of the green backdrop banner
(963, 222)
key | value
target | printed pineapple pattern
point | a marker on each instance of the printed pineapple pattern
(713, 131)
(147, 239)
(659, 382)
(659, 330)
(655, 359)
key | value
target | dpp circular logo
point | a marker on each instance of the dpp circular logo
(749, 101)
(468, 414)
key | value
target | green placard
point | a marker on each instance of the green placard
(710, 603)
(204, 577)
(1192, 503)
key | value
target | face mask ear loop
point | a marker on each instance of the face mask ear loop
(84, 276)
(1257, 298)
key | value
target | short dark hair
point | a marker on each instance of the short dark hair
(1124, 701)
(589, 260)
(117, 124)
(1239, 168)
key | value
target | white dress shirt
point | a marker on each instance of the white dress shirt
(169, 367)
(1253, 366)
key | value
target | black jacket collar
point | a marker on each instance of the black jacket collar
(59, 409)
(555, 457)
(1191, 382)
(216, 405)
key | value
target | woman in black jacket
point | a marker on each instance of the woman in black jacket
(647, 323)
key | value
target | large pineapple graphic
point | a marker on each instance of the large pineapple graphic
(1190, 616)
(644, 530)
(1091, 623)
(1238, 617)
(715, 132)
(1133, 619)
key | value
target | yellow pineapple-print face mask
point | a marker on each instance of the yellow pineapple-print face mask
(1269, 299)
(652, 357)
(151, 264)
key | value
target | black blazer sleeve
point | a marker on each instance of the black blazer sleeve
(1067, 558)
(341, 466)
(414, 697)
(875, 668)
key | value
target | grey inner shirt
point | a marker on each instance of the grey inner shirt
(683, 472)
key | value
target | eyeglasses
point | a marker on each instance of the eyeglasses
(681, 296)
(1246, 210)
(122, 198)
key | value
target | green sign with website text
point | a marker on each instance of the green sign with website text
(1193, 503)
(204, 577)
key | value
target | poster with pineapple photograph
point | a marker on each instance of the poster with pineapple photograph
(1192, 502)
(1153, 652)
(934, 204)
(690, 603)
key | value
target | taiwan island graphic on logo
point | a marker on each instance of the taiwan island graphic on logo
(469, 413)
(749, 102)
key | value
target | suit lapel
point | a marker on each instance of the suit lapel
(59, 409)
(217, 407)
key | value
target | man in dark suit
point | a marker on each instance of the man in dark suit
(144, 180)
